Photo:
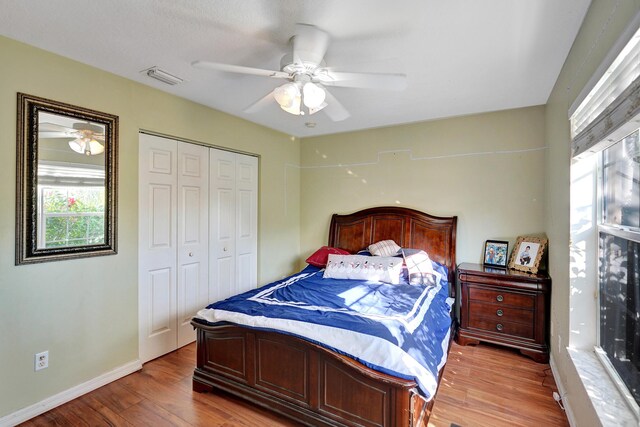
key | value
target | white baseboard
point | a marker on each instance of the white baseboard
(565, 399)
(65, 396)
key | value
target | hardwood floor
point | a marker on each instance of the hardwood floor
(492, 386)
(482, 386)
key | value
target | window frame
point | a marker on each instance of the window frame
(623, 232)
(42, 215)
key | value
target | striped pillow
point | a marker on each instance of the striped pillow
(384, 248)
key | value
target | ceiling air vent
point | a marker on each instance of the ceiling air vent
(163, 76)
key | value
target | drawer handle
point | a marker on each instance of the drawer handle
(500, 313)
(500, 298)
(499, 326)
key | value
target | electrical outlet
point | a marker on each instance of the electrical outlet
(42, 360)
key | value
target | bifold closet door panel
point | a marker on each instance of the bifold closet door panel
(246, 222)
(222, 228)
(157, 246)
(193, 236)
(233, 211)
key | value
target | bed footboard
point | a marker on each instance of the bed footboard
(302, 381)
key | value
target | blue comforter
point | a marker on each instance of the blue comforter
(402, 330)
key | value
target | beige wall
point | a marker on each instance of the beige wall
(85, 311)
(488, 169)
(605, 21)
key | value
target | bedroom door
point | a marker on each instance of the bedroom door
(173, 242)
(233, 224)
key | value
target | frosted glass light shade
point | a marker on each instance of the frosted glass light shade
(313, 95)
(77, 145)
(286, 94)
(95, 148)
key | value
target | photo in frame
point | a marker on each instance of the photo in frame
(527, 253)
(496, 253)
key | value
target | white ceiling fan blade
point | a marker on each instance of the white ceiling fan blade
(384, 81)
(206, 65)
(309, 44)
(260, 104)
(334, 109)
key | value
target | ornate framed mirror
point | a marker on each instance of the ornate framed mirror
(66, 181)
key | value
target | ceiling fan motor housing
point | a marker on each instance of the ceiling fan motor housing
(288, 65)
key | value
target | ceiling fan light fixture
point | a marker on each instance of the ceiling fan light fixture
(291, 98)
(86, 146)
(313, 96)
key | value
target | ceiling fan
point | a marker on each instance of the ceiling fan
(89, 138)
(308, 76)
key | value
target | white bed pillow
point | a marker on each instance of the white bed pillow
(360, 267)
(419, 268)
(384, 248)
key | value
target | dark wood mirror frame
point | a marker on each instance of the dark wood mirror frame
(27, 251)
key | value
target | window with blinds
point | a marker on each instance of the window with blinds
(606, 123)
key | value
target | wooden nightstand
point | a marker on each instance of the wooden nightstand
(505, 307)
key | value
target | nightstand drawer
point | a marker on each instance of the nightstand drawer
(501, 297)
(500, 312)
(501, 327)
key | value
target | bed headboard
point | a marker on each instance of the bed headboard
(409, 228)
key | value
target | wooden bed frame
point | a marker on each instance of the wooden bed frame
(308, 383)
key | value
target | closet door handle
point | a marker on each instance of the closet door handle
(191, 254)
(224, 249)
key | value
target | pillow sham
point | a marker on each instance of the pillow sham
(360, 267)
(384, 248)
(320, 257)
(419, 267)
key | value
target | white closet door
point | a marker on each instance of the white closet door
(157, 245)
(246, 222)
(193, 236)
(222, 218)
(197, 236)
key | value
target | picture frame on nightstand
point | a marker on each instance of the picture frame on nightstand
(496, 253)
(527, 253)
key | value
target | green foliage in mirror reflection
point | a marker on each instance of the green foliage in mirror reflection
(73, 216)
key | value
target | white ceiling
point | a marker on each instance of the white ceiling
(460, 56)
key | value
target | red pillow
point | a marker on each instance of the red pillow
(320, 257)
